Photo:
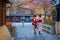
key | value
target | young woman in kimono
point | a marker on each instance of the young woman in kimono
(40, 22)
(34, 23)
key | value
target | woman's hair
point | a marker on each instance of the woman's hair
(39, 15)
(34, 15)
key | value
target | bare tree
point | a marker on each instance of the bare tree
(46, 6)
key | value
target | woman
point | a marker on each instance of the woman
(34, 22)
(40, 21)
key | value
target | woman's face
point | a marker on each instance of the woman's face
(37, 16)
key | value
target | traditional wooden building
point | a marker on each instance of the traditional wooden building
(21, 15)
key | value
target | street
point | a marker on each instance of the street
(27, 33)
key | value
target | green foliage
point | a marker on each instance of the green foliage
(50, 22)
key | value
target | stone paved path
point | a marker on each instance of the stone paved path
(26, 33)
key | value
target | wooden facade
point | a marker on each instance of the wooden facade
(2, 12)
(18, 18)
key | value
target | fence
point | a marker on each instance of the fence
(48, 28)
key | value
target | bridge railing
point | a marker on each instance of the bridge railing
(48, 28)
